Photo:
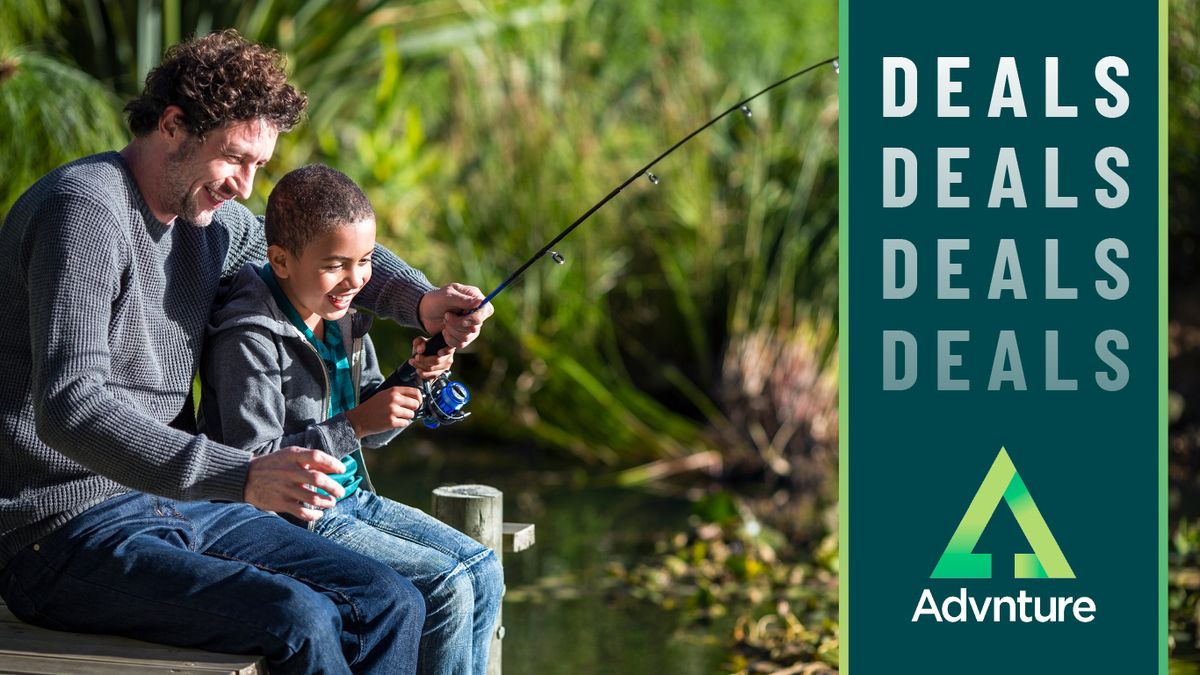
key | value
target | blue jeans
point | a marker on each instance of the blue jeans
(460, 578)
(224, 577)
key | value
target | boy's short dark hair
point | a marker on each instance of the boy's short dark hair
(310, 202)
(218, 79)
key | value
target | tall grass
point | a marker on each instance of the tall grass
(635, 349)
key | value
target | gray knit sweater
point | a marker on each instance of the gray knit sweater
(106, 310)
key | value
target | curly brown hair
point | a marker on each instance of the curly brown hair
(218, 79)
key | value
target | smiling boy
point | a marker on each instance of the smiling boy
(285, 363)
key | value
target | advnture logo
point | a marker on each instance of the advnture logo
(960, 561)
(1002, 481)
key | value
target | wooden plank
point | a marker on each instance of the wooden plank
(76, 646)
(518, 537)
(95, 657)
(38, 664)
(25, 648)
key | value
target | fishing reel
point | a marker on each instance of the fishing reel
(442, 401)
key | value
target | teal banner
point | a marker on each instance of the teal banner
(1003, 321)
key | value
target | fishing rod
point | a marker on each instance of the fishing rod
(442, 399)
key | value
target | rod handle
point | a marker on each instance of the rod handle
(406, 375)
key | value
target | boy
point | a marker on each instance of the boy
(286, 362)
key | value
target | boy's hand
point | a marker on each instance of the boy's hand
(282, 482)
(392, 408)
(432, 366)
(441, 310)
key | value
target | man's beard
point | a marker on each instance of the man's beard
(176, 188)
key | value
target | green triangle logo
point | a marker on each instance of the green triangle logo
(1002, 482)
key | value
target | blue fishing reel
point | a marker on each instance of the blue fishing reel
(442, 401)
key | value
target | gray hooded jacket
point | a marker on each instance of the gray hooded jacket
(264, 387)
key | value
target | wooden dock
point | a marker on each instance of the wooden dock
(29, 649)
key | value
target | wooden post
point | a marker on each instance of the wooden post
(477, 511)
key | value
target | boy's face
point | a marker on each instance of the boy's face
(323, 280)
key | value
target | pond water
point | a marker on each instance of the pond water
(563, 613)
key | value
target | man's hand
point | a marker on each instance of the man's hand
(391, 408)
(433, 365)
(442, 310)
(277, 482)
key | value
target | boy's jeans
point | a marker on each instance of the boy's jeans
(460, 578)
(224, 577)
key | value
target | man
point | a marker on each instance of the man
(108, 267)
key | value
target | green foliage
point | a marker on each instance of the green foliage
(1183, 73)
(717, 507)
(1183, 589)
(24, 21)
(613, 354)
(1186, 541)
(50, 113)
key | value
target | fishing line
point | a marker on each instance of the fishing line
(406, 374)
(741, 106)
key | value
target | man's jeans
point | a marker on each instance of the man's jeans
(461, 579)
(223, 577)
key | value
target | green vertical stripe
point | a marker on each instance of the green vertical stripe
(1162, 336)
(843, 337)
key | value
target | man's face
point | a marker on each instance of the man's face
(323, 280)
(200, 176)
